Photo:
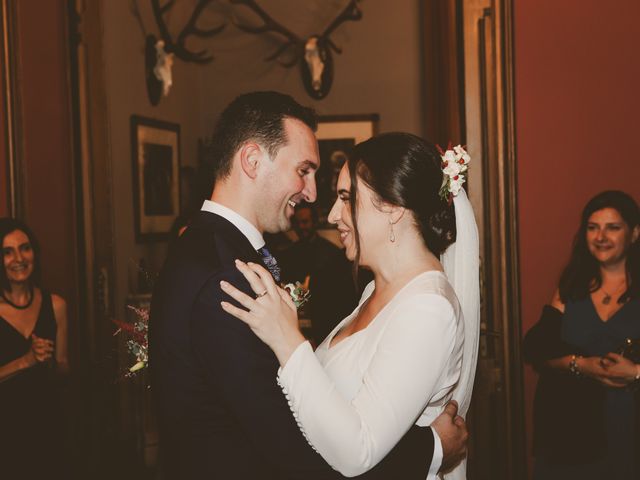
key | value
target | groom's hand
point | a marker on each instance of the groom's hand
(453, 434)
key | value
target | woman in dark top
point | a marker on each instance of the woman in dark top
(33, 347)
(586, 408)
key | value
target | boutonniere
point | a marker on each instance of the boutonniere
(299, 292)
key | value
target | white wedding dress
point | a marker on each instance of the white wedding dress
(356, 399)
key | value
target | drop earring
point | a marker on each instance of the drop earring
(392, 235)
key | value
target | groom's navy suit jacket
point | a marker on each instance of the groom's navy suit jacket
(221, 414)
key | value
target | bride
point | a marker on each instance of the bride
(411, 343)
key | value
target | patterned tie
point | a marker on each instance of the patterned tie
(270, 262)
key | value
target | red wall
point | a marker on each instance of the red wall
(577, 80)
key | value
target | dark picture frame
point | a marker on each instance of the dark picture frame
(337, 135)
(155, 153)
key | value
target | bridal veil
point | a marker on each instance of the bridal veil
(461, 262)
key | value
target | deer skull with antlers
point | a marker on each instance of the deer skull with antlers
(160, 53)
(313, 54)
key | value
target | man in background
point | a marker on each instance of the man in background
(315, 260)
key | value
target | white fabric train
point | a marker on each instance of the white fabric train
(461, 262)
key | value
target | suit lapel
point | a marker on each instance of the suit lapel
(239, 245)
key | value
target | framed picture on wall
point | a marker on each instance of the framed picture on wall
(337, 135)
(155, 152)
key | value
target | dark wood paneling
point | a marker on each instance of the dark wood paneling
(443, 71)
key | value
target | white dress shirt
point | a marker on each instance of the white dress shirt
(356, 399)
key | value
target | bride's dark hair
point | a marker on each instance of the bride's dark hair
(404, 170)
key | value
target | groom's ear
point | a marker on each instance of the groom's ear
(250, 156)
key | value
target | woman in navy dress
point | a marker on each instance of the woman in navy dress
(33, 348)
(586, 406)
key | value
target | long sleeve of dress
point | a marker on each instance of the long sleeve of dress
(416, 360)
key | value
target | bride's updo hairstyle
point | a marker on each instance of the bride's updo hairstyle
(404, 170)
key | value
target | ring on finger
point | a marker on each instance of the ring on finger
(261, 294)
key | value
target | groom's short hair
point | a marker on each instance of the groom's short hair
(256, 116)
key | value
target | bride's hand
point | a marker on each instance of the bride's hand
(272, 315)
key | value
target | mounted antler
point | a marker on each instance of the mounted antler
(317, 67)
(159, 53)
(178, 48)
(270, 25)
(350, 13)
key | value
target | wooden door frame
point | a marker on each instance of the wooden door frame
(450, 115)
(94, 169)
(10, 203)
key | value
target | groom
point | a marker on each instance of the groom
(220, 412)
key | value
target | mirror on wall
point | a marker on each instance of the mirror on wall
(108, 256)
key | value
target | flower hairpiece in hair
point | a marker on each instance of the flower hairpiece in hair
(455, 161)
